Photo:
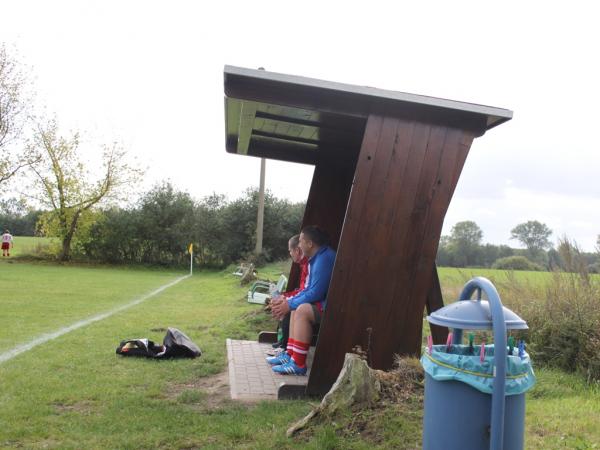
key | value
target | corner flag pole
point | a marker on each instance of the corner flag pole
(191, 250)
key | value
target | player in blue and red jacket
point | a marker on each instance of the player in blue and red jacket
(308, 305)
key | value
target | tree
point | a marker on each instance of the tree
(490, 253)
(166, 224)
(18, 217)
(533, 235)
(65, 186)
(13, 115)
(465, 242)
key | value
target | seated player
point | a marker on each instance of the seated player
(299, 258)
(308, 306)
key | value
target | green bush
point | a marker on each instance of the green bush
(563, 316)
(564, 325)
(160, 227)
(515, 263)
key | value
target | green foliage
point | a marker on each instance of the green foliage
(49, 225)
(159, 229)
(563, 323)
(282, 220)
(534, 235)
(463, 248)
(562, 310)
(563, 315)
(489, 253)
(17, 217)
(64, 184)
(465, 239)
(515, 263)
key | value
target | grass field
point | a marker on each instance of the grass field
(74, 392)
(30, 246)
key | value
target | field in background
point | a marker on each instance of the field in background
(31, 246)
(74, 392)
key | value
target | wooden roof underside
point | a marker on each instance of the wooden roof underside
(296, 119)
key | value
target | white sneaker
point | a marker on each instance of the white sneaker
(275, 351)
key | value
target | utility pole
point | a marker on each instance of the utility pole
(261, 204)
(261, 207)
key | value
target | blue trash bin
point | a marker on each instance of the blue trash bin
(474, 404)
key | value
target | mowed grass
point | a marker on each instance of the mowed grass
(42, 298)
(74, 392)
(562, 412)
(30, 245)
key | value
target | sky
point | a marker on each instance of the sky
(149, 74)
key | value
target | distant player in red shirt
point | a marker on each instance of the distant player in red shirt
(7, 243)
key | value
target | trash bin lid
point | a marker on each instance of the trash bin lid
(473, 315)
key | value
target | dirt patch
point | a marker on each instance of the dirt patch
(156, 330)
(214, 391)
(82, 408)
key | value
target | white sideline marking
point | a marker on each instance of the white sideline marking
(82, 323)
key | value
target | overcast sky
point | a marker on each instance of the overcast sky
(150, 74)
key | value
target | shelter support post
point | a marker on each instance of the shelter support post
(405, 176)
(327, 200)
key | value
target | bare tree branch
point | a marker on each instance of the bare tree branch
(13, 116)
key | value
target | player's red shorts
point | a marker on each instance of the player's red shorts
(5, 245)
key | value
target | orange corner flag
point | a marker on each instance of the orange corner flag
(191, 248)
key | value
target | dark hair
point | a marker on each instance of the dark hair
(294, 241)
(316, 234)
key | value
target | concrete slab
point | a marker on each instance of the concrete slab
(251, 377)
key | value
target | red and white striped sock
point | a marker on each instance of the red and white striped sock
(300, 352)
(290, 346)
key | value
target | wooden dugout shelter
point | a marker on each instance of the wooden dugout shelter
(386, 166)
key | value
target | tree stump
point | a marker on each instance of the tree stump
(357, 384)
(248, 275)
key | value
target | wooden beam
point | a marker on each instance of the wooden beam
(282, 150)
(247, 114)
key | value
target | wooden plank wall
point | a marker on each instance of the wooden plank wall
(328, 198)
(405, 177)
